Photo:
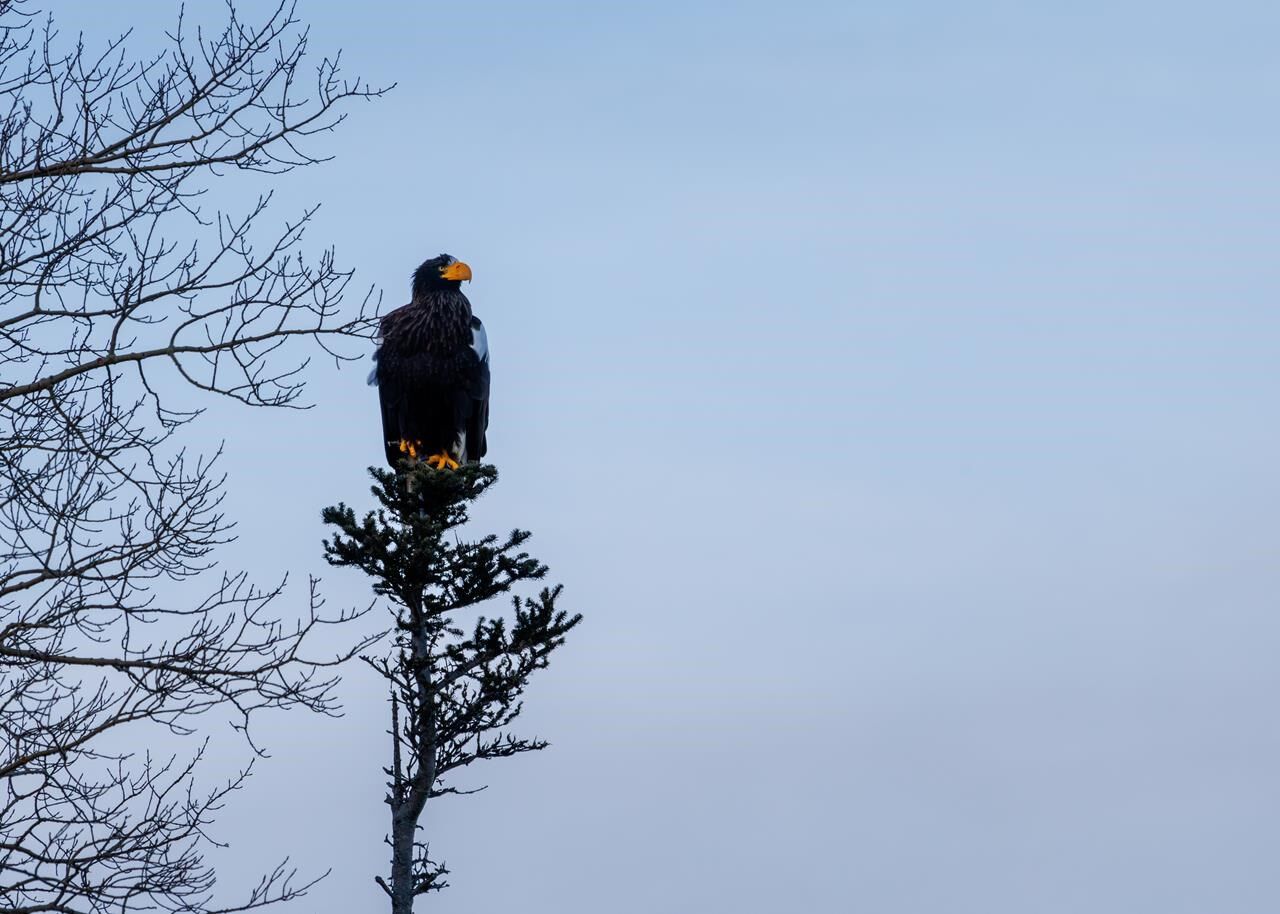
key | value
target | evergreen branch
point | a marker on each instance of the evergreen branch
(458, 692)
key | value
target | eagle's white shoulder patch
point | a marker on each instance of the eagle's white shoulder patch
(479, 339)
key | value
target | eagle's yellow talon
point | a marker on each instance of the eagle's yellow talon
(442, 461)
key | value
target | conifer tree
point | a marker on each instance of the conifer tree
(455, 686)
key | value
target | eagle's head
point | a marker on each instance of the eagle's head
(443, 272)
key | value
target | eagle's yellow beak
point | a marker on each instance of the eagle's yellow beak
(456, 271)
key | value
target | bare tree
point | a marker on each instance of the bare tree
(123, 299)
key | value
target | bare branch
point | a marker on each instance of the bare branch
(118, 288)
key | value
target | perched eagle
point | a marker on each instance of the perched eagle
(432, 372)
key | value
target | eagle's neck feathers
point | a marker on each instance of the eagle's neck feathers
(440, 322)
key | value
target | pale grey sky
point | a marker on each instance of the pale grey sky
(893, 387)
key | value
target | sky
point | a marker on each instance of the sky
(892, 387)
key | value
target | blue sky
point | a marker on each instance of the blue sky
(893, 387)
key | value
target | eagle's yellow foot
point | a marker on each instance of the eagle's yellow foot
(442, 461)
(408, 448)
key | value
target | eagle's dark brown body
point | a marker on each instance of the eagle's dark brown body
(433, 372)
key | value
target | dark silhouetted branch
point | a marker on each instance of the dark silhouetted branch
(123, 298)
(454, 692)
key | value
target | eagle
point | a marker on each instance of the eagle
(432, 372)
